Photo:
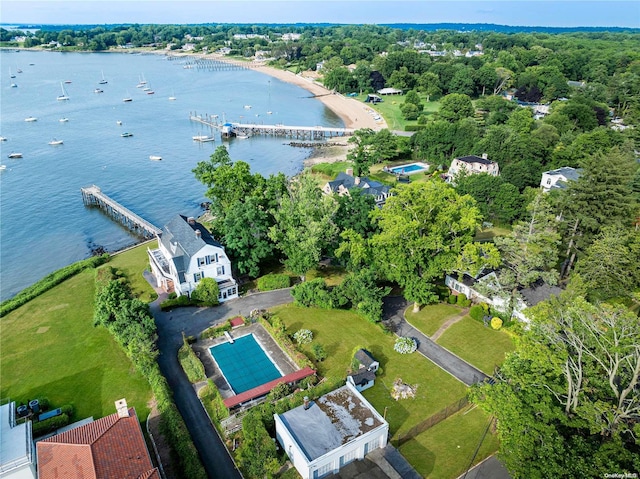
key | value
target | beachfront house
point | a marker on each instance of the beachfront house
(110, 447)
(346, 183)
(558, 179)
(322, 436)
(472, 165)
(186, 254)
(17, 458)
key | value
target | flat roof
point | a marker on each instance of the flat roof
(14, 441)
(334, 419)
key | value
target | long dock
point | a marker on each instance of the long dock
(93, 196)
(250, 129)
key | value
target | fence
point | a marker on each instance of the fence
(432, 421)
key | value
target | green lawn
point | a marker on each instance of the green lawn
(476, 343)
(445, 450)
(430, 318)
(328, 171)
(133, 262)
(390, 110)
(50, 348)
(339, 332)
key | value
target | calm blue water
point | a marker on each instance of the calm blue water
(43, 222)
(244, 363)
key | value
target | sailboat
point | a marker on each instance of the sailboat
(172, 97)
(142, 82)
(64, 95)
(103, 81)
(11, 74)
(127, 98)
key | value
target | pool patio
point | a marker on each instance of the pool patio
(408, 169)
(275, 353)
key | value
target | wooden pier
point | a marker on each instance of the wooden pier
(93, 196)
(250, 129)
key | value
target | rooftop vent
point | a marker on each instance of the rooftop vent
(484, 156)
(191, 220)
(306, 403)
(198, 234)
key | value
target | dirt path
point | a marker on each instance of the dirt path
(448, 323)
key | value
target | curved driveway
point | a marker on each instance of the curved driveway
(213, 453)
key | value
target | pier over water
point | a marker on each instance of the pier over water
(93, 196)
(250, 129)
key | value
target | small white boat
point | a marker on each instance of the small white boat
(127, 99)
(30, 118)
(64, 119)
(126, 134)
(103, 81)
(269, 112)
(98, 90)
(55, 142)
(67, 81)
(147, 88)
(15, 155)
(150, 92)
(242, 137)
(247, 107)
(119, 122)
(2, 138)
(142, 82)
(14, 85)
(172, 98)
(3, 167)
(11, 74)
(64, 95)
(155, 157)
(204, 138)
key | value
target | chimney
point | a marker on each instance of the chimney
(350, 171)
(191, 220)
(484, 156)
(198, 234)
(306, 403)
(121, 407)
(357, 181)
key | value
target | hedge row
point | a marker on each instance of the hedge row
(215, 331)
(273, 281)
(49, 282)
(414, 127)
(191, 364)
(213, 402)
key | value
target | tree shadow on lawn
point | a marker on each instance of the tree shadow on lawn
(84, 386)
(422, 459)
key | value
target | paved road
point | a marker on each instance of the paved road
(394, 308)
(213, 453)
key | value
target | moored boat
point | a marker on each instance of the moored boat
(98, 90)
(126, 134)
(2, 138)
(15, 155)
(55, 142)
(155, 157)
(64, 119)
(64, 95)
(30, 118)
(103, 81)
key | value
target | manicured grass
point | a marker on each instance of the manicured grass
(430, 318)
(390, 110)
(339, 332)
(328, 171)
(51, 349)
(332, 275)
(478, 344)
(445, 450)
(133, 262)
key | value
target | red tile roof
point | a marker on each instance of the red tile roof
(111, 447)
(266, 387)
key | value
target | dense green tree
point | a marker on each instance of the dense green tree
(303, 225)
(354, 212)
(455, 106)
(360, 291)
(566, 401)
(497, 200)
(257, 453)
(423, 229)
(462, 81)
(207, 291)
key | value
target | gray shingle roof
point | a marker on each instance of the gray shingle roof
(475, 159)
(566, 171)
(364, 357)
(362, 377)
(366, 185)
(179, 236)
(538, 292)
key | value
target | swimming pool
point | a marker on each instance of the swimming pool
(409, 169)
(244, 364)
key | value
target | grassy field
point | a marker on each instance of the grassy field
(339, 332)
(430, 318)
(133, 262)
(390, 110)
(474, 342)
(50, 348)
(445, 450)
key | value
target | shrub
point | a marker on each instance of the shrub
(49, 425)
(270, 282)
(213, 402)
(452, 299)
(405, 345)
(190, 363)
(207, 291)
(215, 331)
(313, 293)
(496, 323)
(461, 299)
(476, 312)
(303, 336)
(172, 295)
(281, 390)
(178, 302)
(319, 352)
(414, 127)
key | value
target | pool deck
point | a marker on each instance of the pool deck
(277, 355)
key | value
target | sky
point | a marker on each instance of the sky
(567, 13)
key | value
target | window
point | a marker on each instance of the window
(197, 277)
(548, 181)
(220, 270)
(323, 470)
(348, 457)
(211, 259)
(201, 261)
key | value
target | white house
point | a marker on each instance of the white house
(558, 179)
(322, 436)
(365, 376)
(187, 253)
(472, 165)
(17, 457)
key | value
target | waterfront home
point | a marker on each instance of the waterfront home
(558, 179)
(17, 459)
(472, 165)
(187, 253)
(346, 183)
(103, 449)
(322, 436)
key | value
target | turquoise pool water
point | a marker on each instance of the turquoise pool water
(244, 363)
(412, 168)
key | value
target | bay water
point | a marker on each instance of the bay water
(43, 222)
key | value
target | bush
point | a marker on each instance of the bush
(215, 331)
(496, 323)
(313, 293)
(303, 336)
(414, 127)
(319, 352)
(49, 425)
(191, 365)
(280, 391)
(207, 291)
(452, 299)
(461, 299)
(178, 302)
(405, 345)
(270, 282)
(213, 402)
(476, 312)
